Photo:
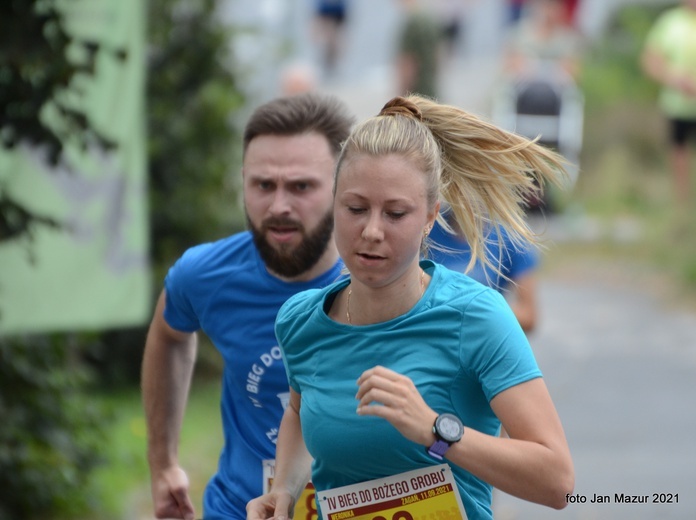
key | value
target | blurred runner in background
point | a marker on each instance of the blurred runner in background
(419, 50)
(517, 263)
(330, 20)
(669, 57)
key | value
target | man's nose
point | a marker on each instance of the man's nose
(280, 204)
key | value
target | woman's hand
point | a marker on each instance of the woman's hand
(392, 396)
(274, 505)
(292, 469)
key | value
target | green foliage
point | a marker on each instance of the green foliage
(622, 118)
(124, 479)
(50, 433)
(625, 173)
(612, 73)
(194, 150)
(194, 154)
(35, 73)
(30, 31)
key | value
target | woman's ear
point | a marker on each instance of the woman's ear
(432, 217)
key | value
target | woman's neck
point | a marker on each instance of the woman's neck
(363, 305)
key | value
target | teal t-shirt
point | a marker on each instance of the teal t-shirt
(460, 344)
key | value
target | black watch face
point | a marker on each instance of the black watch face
(450, 429)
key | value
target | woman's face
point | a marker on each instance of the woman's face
(380, 215)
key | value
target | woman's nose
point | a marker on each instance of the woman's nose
(373, 230)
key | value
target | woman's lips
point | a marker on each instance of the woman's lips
(370, 259)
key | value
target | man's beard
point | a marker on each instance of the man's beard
(289, 261)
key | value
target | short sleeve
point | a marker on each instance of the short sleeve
(285, 323)
(178, 310)
(502, 356)
(523, 258)
(655, 39)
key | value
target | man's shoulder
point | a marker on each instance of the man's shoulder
(676, 16)
(215, 260)
(238, 248)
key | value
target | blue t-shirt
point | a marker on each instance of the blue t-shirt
(224, 289)
(454, 252)
(460, 344)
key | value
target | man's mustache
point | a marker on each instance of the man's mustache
(273, 222)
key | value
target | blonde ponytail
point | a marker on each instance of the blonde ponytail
(484, 173)
(487, 174)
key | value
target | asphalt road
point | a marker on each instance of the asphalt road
(619, 358)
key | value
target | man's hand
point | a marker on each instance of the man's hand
(685, 84)
(170, 495)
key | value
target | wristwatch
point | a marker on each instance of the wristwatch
(448, 429)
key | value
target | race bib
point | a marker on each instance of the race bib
(421, 494)
(306, 508)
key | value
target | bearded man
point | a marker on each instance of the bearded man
(231, 290)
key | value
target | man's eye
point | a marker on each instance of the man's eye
(302, 186)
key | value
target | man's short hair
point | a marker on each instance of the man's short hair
(299, 114)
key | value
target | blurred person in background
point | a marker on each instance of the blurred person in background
(515, 273)
(419, 49)
(515, 10)
(330, 21)
(669, 58)
(298, 77)
(452, 17)
(572, 7)
(544, 39)
(231, 290)
(539, 95)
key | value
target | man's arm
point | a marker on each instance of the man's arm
(168, 364)
(656, 67)
(523, 300)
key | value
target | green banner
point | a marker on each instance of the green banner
(93, 273)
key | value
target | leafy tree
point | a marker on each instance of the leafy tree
(194, 150)
(51, 432)
(35, 72)
(194, 155)
(49, 435)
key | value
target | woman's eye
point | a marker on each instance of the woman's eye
(396, 214)
(355, 210)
